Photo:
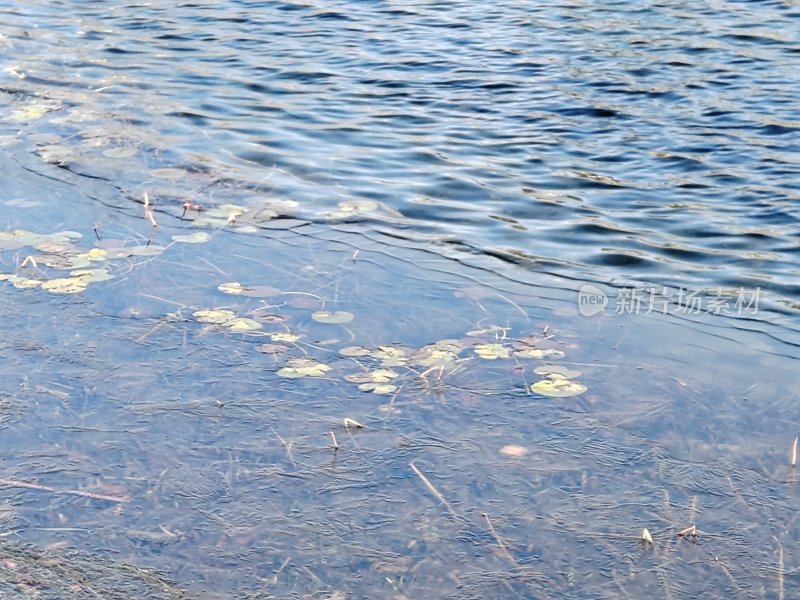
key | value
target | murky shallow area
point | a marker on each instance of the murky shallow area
(397, 333)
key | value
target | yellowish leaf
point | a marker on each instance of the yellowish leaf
(558, 386)
(303, 367)
(491, 351)
(66, 285)
(198, 237)
(338, 317)
(243, 324)
(285, 336)
(214, 315)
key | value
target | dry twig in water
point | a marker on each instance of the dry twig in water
(348, 423)
(499, 540)
(794, 452)
(148, 211)
(434, 491)
(44, 488)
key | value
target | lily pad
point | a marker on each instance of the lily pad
(558, 386)
(93, 254)
(50, 247)
(93, 275)
(354, 351)
(336, 318)
(284, 336)
(565, 372)
(169, 173)
(145, 250)
(66, 285)
(216, 316)
(391, 356)
(539, 353)
(24, 283)
(376, 376)
(303, 367)
(272, 348)
(492, 351)
(233, 288)
(199, 237)
(259, 291)
(378, 388)
(432, 357)
(120, 152)
(243, 324)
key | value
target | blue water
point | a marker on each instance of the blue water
(509, 155)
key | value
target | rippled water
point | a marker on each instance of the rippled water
(651, 141)
(496, 158)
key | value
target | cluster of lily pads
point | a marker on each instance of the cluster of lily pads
(382, 369)
(59, 265)
(57, 262)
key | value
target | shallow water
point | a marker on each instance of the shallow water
(442, 172)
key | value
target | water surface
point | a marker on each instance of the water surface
(442, 171)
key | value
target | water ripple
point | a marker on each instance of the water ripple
(638, 139)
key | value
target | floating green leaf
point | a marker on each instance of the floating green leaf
(354, 351)
(558, 386)
(216, 316)
(233, 288)
(431, 356)
(259, 291)
(199, 237)
(66, 285)
(492, 351)
(34, 110)
(565, 372)
(242, 324)
(93, 254)
(337, 318)
(284, 336)
(52, 247)
(220, 216)
(303, 367)
(378, 388)
(146, 250)
(24, 283)
(272, 348)
(169, 173)
(391, 356)
(539, 353)
(92, 275)
(120, 152)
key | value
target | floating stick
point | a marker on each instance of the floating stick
(433, 490)
(794, 452)
(348, 422)
(44, 488)
(148, 211)
(335, 443)
(691, 530)
(497, 538)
